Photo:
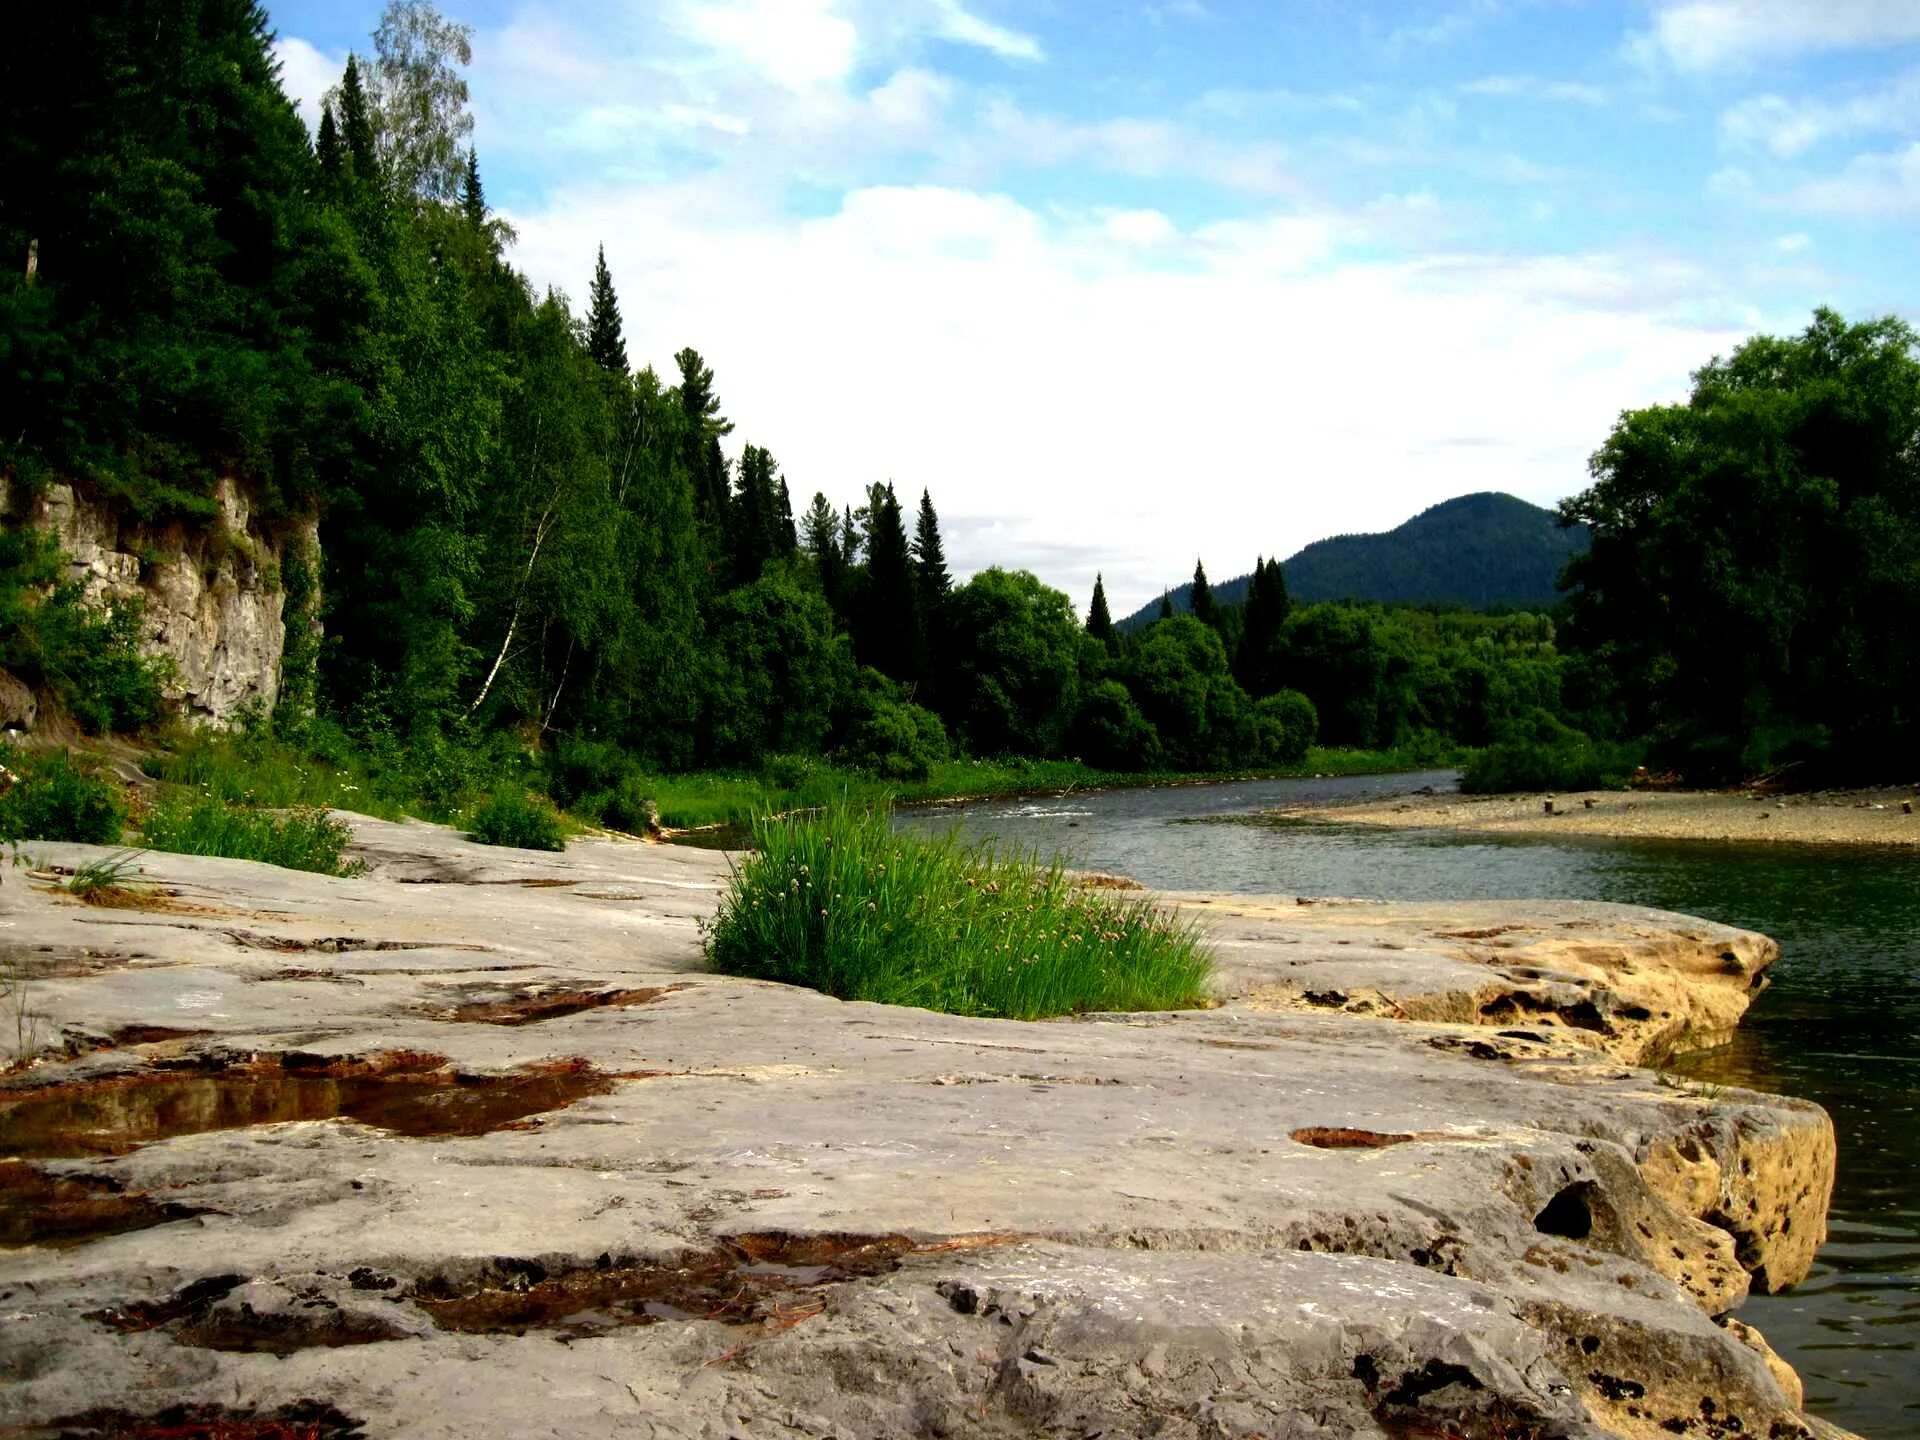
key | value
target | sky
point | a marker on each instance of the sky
(1131, 283)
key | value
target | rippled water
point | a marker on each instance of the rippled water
(1840, 1025)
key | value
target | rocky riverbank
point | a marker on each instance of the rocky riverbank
(474, 1145)
(1830, 817)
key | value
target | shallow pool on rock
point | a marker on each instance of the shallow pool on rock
(1840, 1024)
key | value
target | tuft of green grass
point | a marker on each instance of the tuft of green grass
(299, 839)
(107, 873)
(839, 902)
(511, 816)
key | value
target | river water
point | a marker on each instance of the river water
(1840, 1024)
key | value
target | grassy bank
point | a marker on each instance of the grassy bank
(711, 797)
(837, 901)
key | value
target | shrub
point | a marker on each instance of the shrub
(1541, 752)
(302, 839)
(841, 903)
(897, 740)
(1110, 731)
(54, 799)
(1286, 725)
(510, 816)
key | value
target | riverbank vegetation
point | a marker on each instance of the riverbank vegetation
(841, 902)
(549, 580)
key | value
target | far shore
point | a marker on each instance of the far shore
(1831, 817)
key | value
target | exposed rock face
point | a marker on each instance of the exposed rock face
(18, 708)
(211, 590)
(474, 1145)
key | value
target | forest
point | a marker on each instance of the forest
(541, 566)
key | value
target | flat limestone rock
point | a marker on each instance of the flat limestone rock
(475, 1145)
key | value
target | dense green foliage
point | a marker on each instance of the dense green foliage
(510, 816)
(52, 798)
(204, 824)
(842, 903)
(1752, 595)
(85, 657)
(531, 553)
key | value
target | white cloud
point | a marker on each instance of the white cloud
(1712, 34)
(306, 74)
(1869, 185)
(965, 28)
(1532, 87)
(795, 43)
(1120, 393)
(1788, 128)
(1793, 244)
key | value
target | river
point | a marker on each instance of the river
(1839, 1025)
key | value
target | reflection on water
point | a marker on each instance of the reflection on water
(1840, 1025)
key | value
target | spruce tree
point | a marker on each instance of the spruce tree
(1256, 661)
(473, 200)
(1099, 621)
(604, 342)
(820, 532)
(930, 556)
(356, 125)
(701, 432)
(887, 636)
(849, 538)
(1166, 605)
(1200, 600)
(788, 536)
(327, 147)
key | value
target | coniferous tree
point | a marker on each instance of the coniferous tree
(473, 199)
(327, 146)
(356, 125)
(1200, 600)
(604, 342)
(788, 535)
(849, 538)
(887, 636)
(1166, 605)
(703, 426)
(1257, 660)
(1099, 621)
(929, 555)
(757, 526)
(820, 533)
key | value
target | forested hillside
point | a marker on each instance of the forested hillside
(537, 563)
(1485, 551)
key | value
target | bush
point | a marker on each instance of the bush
(1541, 752)
(53, 799)
(1286, 725)
(302, 839)
(841, 903)
(897, 740)
(1110, 731)
(87, 656)
(513, 817)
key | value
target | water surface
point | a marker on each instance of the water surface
(1840, 1025)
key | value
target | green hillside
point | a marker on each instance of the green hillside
(1481, 551)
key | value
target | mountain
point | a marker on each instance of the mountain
(1480, 551)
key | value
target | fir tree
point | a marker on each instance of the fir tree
(820, 531)
(759, 524)
(704, 425)
(887, 636)
(327, 148)
(1257, 661)
(604, 342)
(473, 199)
(849, 538)
(930, 556)
(788, 536)
(356, 125)
(1166, 605)
(1099, 621)
(1200, 600)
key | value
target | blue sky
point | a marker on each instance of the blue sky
(1133, 282)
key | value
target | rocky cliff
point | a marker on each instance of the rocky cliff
(212, 591)
(474, 1145)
